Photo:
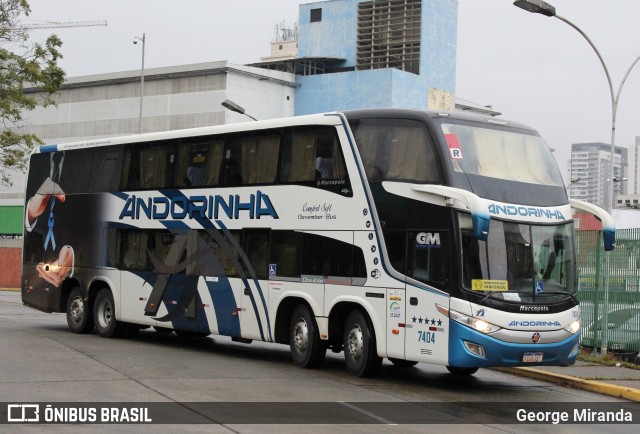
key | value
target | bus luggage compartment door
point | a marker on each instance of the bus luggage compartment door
(427, 330)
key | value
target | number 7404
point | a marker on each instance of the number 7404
(427, 337)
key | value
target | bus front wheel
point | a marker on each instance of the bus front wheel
(104, 316)
(360, 351)
(79, 318)
(307, 350)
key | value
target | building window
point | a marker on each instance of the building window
(316, 15)
(389, 35)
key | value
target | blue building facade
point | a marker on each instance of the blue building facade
(383, 53)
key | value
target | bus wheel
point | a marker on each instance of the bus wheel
(360, 351)
(307, 350)
(461, 371)
(402, 363)
(79, 318)
(104, 316)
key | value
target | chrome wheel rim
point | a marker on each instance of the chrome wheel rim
(301, 336)
(355, 343)
(76, 310)
(105, 313)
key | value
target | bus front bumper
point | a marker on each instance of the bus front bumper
(470, 348)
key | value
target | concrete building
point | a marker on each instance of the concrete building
(385, 53)
(175, 97)
(589, 172)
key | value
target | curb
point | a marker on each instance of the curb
(614, 390)
(10, 289)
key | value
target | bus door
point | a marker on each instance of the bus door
(427, 335)
(254, 287)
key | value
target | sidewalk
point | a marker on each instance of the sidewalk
(607, 380)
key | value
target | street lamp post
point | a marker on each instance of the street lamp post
(543, 8)
(230, 105)
(143, 40)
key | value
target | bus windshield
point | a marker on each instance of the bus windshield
(501, 154)
(521, 262)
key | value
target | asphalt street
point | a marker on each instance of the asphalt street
(42, 362)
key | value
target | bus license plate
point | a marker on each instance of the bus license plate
(532, 357)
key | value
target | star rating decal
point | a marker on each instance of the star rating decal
(426, 320)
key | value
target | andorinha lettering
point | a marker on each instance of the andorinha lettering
(216, 206)
(535, 324)
(525, 211)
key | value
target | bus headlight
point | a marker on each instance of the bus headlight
(573, 327)
(474, 323)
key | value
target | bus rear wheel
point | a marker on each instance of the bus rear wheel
(104, 316)
(79, 318)
(307, 350)
(360, 351)
(461, 371)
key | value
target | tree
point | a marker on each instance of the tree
(29, 76)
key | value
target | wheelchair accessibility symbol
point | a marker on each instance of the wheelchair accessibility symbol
(272, 269)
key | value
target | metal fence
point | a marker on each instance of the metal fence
(610, 313)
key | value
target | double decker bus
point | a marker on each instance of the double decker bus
(403, 234)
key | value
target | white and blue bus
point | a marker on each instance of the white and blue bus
(403, 234)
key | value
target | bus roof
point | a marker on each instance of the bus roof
(315, 119)
(433, 114)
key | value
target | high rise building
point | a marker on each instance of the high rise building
(384, 53)
(633, 183)
(589, 171)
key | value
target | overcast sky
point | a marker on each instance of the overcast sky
(533, 69)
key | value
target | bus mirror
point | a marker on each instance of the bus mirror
(480, 226)
(608, 227)
(463, 200)
(609, 239)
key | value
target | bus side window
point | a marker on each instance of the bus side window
(285, 253)
(252, 159)
(167, 250)
(149, 166)
(213, 255)
(324, 256)
(329, 161)
(132, 249)
(232, 163)
(106, 162)
(256, 247)
(428, 256)
(199, 164)
(370, 140)
(395, 149)
(129, 171)
(298, 157)
(397, 248)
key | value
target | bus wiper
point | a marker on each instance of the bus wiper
(502, 292)
(573, 296)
